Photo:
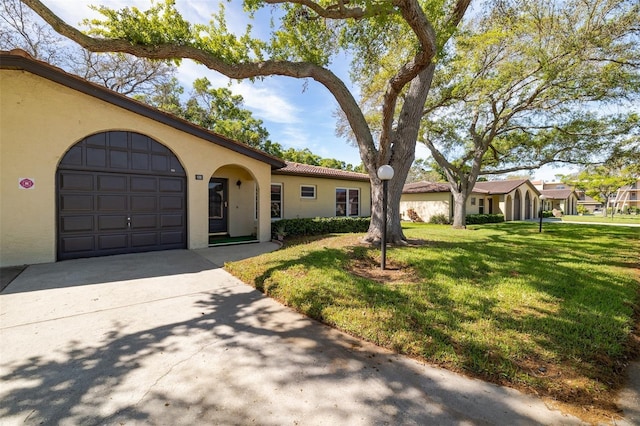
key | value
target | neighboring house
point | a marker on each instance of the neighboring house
(627, 197)
(426, 199)
(88, 172)
(559, 196)
(515, 199)
(305, 191)
(590, 204)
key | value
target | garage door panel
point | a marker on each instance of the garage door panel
(110, 203)
(111, 223)
(144, 221)
(144, 184)
(171, 185)
(168, 203)
(76, 182)
(118, 159)
(144, 203)
(96, 157)
(78, 244)
(76, 223)
(112, 183)
(176, 237)
(113, 241)
(149, 239)
(171, 220)
(75, 203)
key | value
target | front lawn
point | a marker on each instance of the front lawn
(550, 313)
(618, 218)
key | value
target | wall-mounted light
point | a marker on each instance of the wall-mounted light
(239, 182)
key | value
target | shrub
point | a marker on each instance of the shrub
(320, 226)
(439, 219)
(477, 219)
(581, 209)
(547, 213)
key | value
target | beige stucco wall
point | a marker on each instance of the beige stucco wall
(324, 205)
(425, 205)
(40, 120)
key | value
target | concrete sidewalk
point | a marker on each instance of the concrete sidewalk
(171, 338)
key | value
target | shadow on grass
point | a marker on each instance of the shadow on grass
(580, 321)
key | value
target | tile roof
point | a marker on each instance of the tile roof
(499, 186)
(297, 169)
(557, 194)
(424, 187)
(18, 59)
(488, 187)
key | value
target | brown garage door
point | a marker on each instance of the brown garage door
(120, 192)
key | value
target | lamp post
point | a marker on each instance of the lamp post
(385, 174)
(542, 198)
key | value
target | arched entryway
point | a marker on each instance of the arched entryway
(233, 194)
(508, 209)
(119, 192)
(517, 206)
(527, 206)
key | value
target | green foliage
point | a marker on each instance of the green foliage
(485, 302)
(477, 219)
(547, 213)
(320, 226)
(439, 219)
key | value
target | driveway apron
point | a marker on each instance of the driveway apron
(170, 338)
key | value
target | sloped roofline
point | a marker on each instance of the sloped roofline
(505, 187)
(307, 170)
(18, 59)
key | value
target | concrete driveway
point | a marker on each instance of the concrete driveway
(169, 338)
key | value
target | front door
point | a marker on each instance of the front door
(218, 206)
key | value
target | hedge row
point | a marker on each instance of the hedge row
(320, 226)
(478, 219)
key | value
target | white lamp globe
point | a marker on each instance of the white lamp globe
(385, 172)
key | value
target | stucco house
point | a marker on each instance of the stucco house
(305, 191)
(515, 199)
(559, 196)
(88, 172)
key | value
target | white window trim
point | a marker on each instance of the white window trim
(315, 192)
(348, 207)
(281, 201)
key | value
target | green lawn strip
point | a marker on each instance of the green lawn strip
(618, 218)
(550, 311)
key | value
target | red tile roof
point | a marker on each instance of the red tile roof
(297, 169)
(424, 187)
(557, 194)
(489, 187)
(498, 186)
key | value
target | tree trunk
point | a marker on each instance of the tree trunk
(401, 156)
(459, 209)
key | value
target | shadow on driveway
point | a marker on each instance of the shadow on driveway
(196, 346)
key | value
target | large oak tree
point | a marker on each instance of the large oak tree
(305, 37)
(531, 83)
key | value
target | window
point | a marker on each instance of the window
(307, 191)
(473, 201)
(276, 201)
(347, 202)
(481, 205)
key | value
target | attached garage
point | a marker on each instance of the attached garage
(120, 192)
(86, 172)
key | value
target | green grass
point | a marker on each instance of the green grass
(550, 312)
(618, 218)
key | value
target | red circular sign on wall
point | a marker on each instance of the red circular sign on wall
(26, 183)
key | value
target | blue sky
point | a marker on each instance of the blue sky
(297, 113)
